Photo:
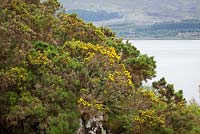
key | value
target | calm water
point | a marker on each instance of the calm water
(178, 61)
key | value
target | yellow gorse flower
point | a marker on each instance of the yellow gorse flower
(40, 58)
(104, 50)
(149, 118)
(111, 77)
(84, 103)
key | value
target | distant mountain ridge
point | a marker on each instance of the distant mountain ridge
(185, 29)
(93, 16)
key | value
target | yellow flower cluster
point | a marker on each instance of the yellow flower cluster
(130, 83)
(111, 77)
(21, 76)
(99, 106)
(104, 50)
(90, 56)
(83, 102)
(123, 67)
(40, 58)
(20, 73)
(149, 118)
(151, 95)
(127, 74)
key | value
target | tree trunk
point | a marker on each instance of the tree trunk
(92, 126)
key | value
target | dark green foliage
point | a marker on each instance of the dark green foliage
(38, 99)
(167, 92)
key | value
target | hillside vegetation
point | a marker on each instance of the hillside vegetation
(60, 75)
(183, 30)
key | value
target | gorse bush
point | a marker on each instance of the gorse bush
(36, 97)
(60, 75)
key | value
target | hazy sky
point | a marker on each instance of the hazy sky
(145, 11)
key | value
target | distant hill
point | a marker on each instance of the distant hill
(142, 19)
(185, 29)
(93, 16)
(141, 11)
